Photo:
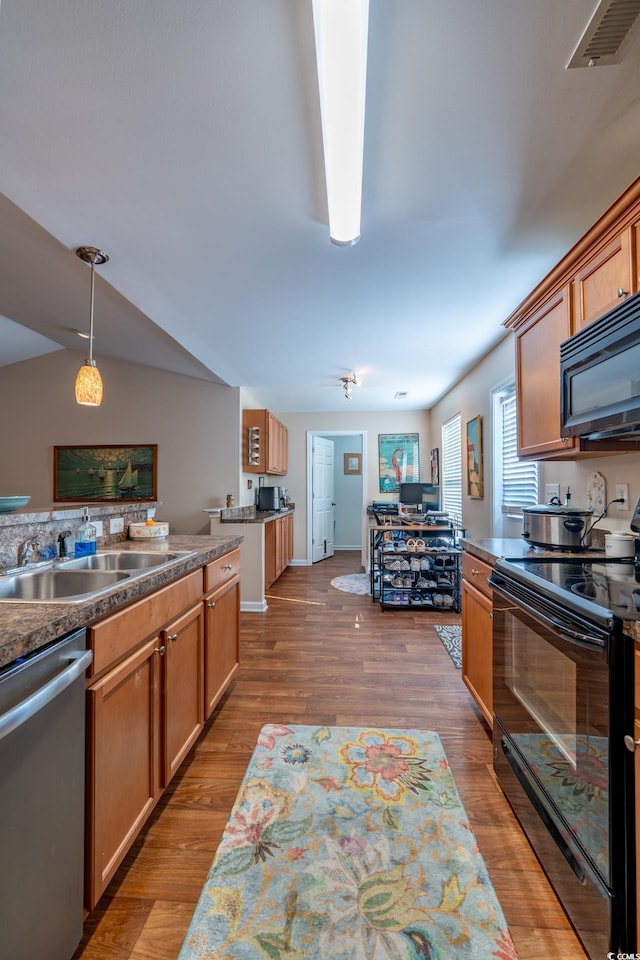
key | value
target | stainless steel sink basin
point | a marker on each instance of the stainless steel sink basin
(82, 578)
(58, 586)
(121, 560)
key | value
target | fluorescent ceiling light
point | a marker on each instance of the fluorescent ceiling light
(341, 31)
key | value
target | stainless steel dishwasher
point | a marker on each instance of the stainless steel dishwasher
(42, 745)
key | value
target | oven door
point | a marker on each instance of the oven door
(554, 679)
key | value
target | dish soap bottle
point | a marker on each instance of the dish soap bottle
(86, 539)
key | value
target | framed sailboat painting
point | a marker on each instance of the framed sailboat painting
(105, 474)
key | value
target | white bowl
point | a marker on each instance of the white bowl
(147, 531)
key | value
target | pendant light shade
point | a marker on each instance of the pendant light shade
(89, 382)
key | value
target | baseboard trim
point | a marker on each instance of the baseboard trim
(253, 606)
(299, 563)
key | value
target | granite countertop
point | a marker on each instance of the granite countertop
(25, 627)
(505, 548)
(251, 515)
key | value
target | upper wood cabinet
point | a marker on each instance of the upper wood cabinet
(606, 279)
(265, 443)
(596, 275)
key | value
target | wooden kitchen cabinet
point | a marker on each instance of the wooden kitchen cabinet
(222, 649)
(606, 279)
(152, 673)
(123, 762)
(265, 443)
(477, 633)
(278, 547)
(182, 698)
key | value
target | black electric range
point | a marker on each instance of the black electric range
(593, 585)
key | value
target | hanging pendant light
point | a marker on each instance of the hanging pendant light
(89, 381)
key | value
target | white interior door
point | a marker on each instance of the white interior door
(322, 499)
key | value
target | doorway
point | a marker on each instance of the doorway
(348, 500)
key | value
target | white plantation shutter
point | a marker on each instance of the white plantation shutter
(519, 477)
(452, 468)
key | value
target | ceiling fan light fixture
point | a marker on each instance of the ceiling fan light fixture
(89, 388)
(348, 382)
(341, 34)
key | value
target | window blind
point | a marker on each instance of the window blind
(452, 468)
(519, 477)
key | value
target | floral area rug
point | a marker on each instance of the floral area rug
(451, 637)
(353, 583)
(348, 843)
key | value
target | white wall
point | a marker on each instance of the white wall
(196, 425)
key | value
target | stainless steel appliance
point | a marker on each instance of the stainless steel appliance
(557, 527)
(42, 745)
(600, 385)
(268, 498)
(563, 704)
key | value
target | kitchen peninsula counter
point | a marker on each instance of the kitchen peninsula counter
(251, 515)
(25, 627)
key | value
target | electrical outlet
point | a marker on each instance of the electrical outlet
(116, 525)
(151, 512)
(551, 490)
(99, 527)
(622, 493)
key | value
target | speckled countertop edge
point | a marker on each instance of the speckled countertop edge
(25, 627)
(250, 515)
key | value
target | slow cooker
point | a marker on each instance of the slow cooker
(557, 527)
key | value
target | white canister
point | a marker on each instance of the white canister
(619, 545)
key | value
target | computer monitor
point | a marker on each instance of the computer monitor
(425, 495)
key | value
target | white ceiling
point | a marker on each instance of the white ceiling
(184, 139)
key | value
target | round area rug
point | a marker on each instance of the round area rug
(353, 583)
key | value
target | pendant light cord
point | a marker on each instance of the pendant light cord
(91, 310)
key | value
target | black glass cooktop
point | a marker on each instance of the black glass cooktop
(612, 585)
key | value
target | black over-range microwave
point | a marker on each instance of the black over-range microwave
(600, 376)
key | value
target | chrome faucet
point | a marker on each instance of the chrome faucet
(27, 549)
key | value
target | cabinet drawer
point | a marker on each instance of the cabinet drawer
(221, 569)
(476, 572)
(117, 635)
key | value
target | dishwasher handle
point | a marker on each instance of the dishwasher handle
(27, 708)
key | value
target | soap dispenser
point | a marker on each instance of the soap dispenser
(86, 539)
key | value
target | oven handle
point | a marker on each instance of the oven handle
(573, 636)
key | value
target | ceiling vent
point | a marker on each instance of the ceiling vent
(400, 395)
(608, 34)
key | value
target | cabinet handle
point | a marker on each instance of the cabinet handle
(622, 293)
(160, 650)
(474, 573)
(212, 604)
(630, 743)
(227, 567)
(173, 637)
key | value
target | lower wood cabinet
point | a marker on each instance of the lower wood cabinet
(222, 649)
(278, 547)
(157, 664)
(477, 633)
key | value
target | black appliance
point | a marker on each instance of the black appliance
(599, 376)
(563, 705)
(268, 498)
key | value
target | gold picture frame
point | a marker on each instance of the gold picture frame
(353, 464)
(475, 480)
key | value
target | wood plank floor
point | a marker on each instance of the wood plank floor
(319, 656)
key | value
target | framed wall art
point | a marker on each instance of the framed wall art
(105, 474)
(474, 459)
(434, 460)
(399, 460)
(353, 464)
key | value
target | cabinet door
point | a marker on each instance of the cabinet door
(477, 648)
(183, 688)
(270, 543)
(538, 379)
(288, 549)
(604, 281)
(222, 641)
(123, 762)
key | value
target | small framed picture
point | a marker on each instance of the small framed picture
(434, 459)
(474, 459)
(353, 464)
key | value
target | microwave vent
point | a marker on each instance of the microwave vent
(608, 34)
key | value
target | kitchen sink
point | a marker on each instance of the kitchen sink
(58, 586)
(121, 560)
(82, 578)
